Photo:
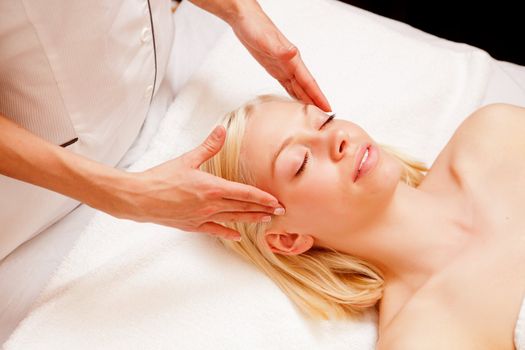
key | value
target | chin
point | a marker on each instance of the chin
(373, 194)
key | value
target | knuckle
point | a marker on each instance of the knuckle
(214, 192)
(208, 146)
(208, 211)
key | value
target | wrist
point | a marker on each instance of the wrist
(98, 185)
(28, 158)
(230, 11)
(243, 10)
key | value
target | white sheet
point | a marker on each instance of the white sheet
(505, 83)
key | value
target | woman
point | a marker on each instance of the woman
(441, 255)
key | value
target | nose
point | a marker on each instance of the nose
(339, 144)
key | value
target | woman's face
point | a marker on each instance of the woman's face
(311, 164)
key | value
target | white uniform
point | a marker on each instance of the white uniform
(76, 73)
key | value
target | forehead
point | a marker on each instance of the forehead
(269, 124)
(285, 113)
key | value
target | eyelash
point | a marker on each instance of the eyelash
(301, 169)
(306, 156)
(328, 120)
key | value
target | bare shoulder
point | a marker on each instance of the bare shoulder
(488, 141)
(489, 130)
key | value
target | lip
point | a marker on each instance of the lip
(370, 162)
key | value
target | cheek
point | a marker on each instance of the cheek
(324, 203)
(322, 185)
(319, 204)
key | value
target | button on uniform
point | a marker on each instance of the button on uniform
(148, 92)
(146, 35)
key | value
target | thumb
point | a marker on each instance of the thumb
(210, 147)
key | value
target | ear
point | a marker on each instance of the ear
(288, 243)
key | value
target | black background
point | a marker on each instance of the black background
(497, 27)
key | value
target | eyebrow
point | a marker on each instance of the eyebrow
(285, 143)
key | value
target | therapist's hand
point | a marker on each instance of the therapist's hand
(175, 193)
(269, 47)
(178, 194)
(277, 55)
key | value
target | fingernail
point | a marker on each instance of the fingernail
(266, 219)
(279, 211)
(237, 238)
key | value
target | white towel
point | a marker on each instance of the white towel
(127, 285)
(519, 331)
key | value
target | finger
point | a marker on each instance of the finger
(241, 217)
(300, 92)
(288, 87)
(218, 230)
(231, 205)
(310, 87)
(210, 147)
(245, 193)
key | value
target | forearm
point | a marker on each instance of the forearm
(28, 158)
(228, 10)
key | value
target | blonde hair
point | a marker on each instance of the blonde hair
(323, 283)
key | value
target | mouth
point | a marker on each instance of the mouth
(365, 160)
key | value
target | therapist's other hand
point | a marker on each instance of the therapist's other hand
(175, 193)
(277, 55)
(178, 194)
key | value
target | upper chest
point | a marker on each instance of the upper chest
(482, 289)
(479, 293)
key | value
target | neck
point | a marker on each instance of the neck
(417, 235)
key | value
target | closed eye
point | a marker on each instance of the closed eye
(301, 169)
(328, 120)
(305, 161)
(306, 157)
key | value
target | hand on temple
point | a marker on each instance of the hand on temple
(278, 56)
(175, 193)
(178, 194)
